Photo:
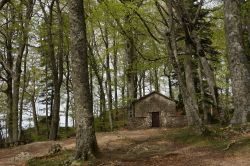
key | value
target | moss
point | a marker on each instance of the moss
(242, 145)
(187, 136)
(62, 158)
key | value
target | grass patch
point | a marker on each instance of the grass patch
(242, 146)
(187, 136)
(59, 159)
(30, 134)
(119, 121)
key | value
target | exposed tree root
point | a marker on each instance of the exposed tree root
(230, 145)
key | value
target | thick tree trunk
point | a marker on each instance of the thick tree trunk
(55, 114)
(16, 89)
(210, 80)
(188, 68)
(202, 93)
(131, 73)
(86, 145)
(190, 103)
(237, 61)
(9, 89)
(24, 24)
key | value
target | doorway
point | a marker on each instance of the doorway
(155, 119)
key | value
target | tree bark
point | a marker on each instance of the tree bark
(202, 93)
(9, 89)
(131, 73)
(2, 3)
(24, 24)
(35, 120)
(156, 81)
(210, 80)
(237, 62)
(191, 107)
(68, 92)
(115, 79)
(102, 94)
(22, 95)
(109, 87)
(55, 62)
(86, 145)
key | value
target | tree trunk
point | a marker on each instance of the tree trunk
(131, 71)
(24, 24)
(102, 93)
(109, 88)
(86, 145)
(156, 81)
(22, 96)
(171, 94)
(9, 89)
(115, 80)
(143, 84)
(210, 80)
(202, 93)
(237, 61)
(190, 103)
(47, 98)
(68, 93)
(140, 85)
(56, 65)
(33, 104)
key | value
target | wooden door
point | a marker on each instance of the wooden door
(155, 119)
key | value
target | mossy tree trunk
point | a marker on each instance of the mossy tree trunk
(238, 66)
(86, 145)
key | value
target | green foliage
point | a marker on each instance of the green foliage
(119, 121)
(30, 134)
(219, 139)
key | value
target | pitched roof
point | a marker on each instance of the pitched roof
(154, 92)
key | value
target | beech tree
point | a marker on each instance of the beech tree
(86, 145)
(238, 65)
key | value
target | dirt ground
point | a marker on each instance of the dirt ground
(132, 148)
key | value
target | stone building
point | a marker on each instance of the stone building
(156, 110)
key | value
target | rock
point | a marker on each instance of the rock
(23, 156)
(76, 163)
(55, 148)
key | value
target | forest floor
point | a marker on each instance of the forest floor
(152, 147)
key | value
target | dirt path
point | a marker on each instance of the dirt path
(133, 148)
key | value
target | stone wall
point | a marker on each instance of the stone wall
(153, 103)
(156, 103)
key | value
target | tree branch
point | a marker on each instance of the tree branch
(2, 3)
